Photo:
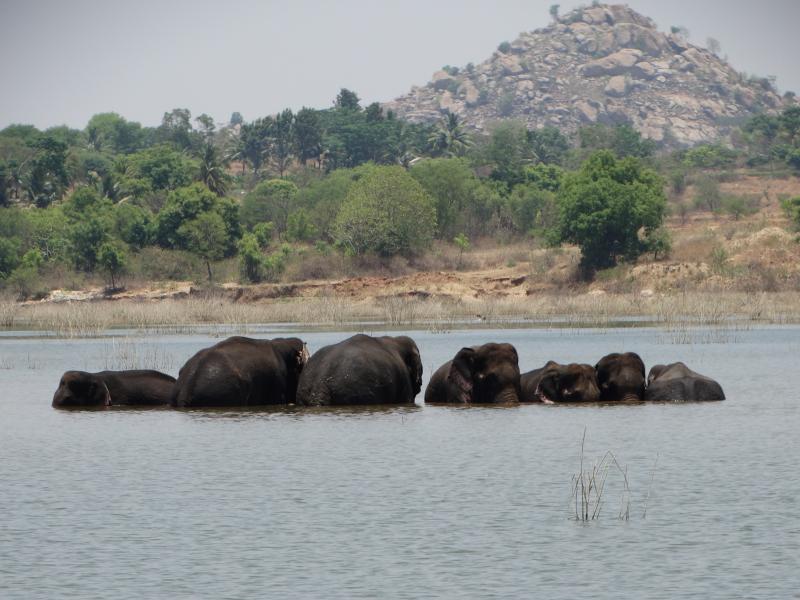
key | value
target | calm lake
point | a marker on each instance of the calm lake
(426, 502)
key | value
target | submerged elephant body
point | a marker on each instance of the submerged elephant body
(362, 370)
(678, 383)
(242, 371)
(555, 383)
(487, 374)
(79, 389)
(621, 377)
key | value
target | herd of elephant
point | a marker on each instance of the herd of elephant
(366, 370)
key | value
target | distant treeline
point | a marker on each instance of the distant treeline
(348, 180)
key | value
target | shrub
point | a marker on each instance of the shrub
(387, 212)
(505, 104)
(251, 261)
(739, 206)
(707, 194)
(263, 233)
(504, 47)
(792, 208)
(710, 156)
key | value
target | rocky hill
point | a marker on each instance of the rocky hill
(600, 64)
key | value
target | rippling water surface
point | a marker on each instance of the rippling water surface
(424, 502)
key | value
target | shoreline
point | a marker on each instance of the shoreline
(678, 311)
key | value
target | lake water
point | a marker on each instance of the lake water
(426, 502)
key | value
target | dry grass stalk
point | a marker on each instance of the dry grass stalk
(589, 483)
(721, 314)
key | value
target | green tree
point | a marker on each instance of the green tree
(462, 242)
(255, 142)
(283, 140)
(308, 135)
(790, 124)
(112, 259)
(9, 255)
(347, 100)
(206, 127)
(271, 201)
(5, 184)
(299, 227)
(25, 278)
(533, 209)
(548, 145)
(87, 236)
(251, 259)
(133, 224)
(603, 206)
(658, 241)
(176, 128)
(386, 212)
(707, 194)
(48, 176)
(507, 152)
(449, 139)
(544, 177)
(263, 233)
(623, 140)
(453, 186)
(212, 171)
(554, 11)
(159, 168)
(205, 236)
(323, 198)
(189, 203)
(111, 132)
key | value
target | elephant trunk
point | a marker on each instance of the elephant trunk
(508, 395)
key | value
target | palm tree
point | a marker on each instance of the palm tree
(449, 138)
(212, 171)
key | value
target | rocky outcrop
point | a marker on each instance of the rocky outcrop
(601, 64)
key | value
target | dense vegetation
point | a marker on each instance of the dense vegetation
(357, 183)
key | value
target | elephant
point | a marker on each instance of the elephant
(240, 372)
(678, 383)
(621, 377)
(487, 374)
(78, 389)
(362, 370)
(555, 383)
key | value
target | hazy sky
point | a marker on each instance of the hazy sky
(65, 60)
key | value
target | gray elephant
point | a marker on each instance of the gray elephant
(621, 377)
(678, 383)
(79, 389)
(555, 383)
(241, 371)
(362, 370)
(487, 374)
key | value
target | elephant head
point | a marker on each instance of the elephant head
(80, 389)
(409, 352)
(678, 383)
(621, 377)
(295, 354)
(567, 383)
(487, 374)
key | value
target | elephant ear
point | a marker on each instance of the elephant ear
(409, 353)
(639, 362)
(461, 373)
(547, 390)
